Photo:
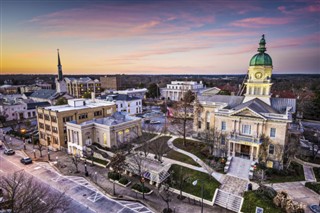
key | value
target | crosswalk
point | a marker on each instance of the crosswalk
(138, 207)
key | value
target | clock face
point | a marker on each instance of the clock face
(258, 75)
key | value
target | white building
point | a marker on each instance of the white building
(20, 110)
(125, 103)
(140, 93)
(176, 89)
(111, 131)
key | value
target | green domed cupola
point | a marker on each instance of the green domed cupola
(261, 58)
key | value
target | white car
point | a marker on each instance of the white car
(155, 122)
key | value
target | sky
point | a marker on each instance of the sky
(157, 37)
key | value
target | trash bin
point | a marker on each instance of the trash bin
(250, 187)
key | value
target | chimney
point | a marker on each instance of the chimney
(93, 97)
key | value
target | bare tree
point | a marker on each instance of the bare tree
(182, 110)
(213, 139)
(117, 164)
(39, 146)
(159, 147)
(22, 193)
(166, 196)
(181, 181)
(76, 161)
(264, 147)
(291, 149)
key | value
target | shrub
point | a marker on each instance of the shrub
(124, 181)
(313, 186)
(139, 188)
(114, 175)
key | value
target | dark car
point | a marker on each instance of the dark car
(8, 152)
(26, 160)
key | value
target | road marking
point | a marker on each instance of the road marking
(38, 167)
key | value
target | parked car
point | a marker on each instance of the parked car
(26, 160)
(9, 152)
(155, 122)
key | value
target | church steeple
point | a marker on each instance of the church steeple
(59, 67)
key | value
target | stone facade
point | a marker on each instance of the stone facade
(112, 131)
(254, 126)
(51, 120)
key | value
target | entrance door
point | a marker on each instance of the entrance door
(245, 151)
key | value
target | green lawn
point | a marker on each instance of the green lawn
(209, 187)
(293, 173)
(252, 200)
(193, 147)
(161, 143)
(317, 173)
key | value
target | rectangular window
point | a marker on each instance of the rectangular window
(29, 114)
(55, 140)
(223, 140)
(41, 135)
(208, 125)
(40, 115)
(271, 149)
(272, 132)
(223, 125)
(48, 127)
(67, 119)
(246, 129)
(199, 124)
(97, 113)
(83, 116)
(33, 114)
(54, 129)
(54, 119)
(46, 117)
(41, 125)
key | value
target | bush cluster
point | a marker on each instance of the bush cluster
(139, 188)
(313, 186)
(114, 175)
(124, 181)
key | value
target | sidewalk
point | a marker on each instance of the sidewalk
(98, 176)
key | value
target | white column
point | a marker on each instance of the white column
(251, 152)
(234, 149)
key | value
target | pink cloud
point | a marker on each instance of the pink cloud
(259, 22)
(313, 8)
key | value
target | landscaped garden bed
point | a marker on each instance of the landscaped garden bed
(209, 187)
(316, 172)
(137, 187)
(253, 199)
(118, 179)
(291, 174)
(313, 186)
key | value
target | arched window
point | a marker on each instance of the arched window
(271, 149)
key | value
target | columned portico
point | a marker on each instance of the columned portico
(243, 149)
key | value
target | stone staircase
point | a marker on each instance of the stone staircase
(228, 200)
(230, 193)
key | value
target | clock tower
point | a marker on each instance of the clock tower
(258, 84)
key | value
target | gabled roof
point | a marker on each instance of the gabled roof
(43, 93)
(256, 105)
(37, 104)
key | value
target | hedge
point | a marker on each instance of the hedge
(313, 186)
(139, 188)
(114, 175)
(124, 181)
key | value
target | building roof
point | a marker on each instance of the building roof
(119, 97)
(281, 104)
(88, 104)
(230, 100)
(256, 105)
(37, 104)
(261, 58)
(113, 120)
(81, 80)
(43, 93)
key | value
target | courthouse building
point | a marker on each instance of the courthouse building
(177, 89)
(245, 119)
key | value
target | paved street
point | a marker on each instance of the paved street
(85, 197)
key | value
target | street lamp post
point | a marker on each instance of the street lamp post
(24, 144)
(96, 177)
(195, 183)
(48, 155)
(85, 168)
(142, 182)
(34, 153)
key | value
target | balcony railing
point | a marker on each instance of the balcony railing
(246, 139)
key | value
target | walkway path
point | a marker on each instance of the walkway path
(218, 176)
(240, 168)
(308, 173)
